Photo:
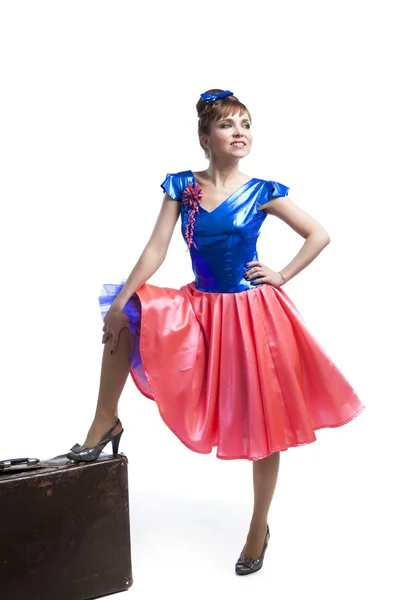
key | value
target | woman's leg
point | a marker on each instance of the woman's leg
(265, 475)
(114, 372)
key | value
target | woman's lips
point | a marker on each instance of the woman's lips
(238, 144)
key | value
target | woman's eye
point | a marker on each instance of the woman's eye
(247, 125)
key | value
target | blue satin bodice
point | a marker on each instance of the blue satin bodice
(226, 237)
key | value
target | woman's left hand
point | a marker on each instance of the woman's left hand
(259, 273)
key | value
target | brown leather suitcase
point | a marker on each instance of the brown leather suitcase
(64, 529)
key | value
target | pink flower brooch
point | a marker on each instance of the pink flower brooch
(191, 196)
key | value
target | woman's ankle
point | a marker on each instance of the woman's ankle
(104, 416)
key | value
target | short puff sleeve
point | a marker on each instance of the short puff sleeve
(277, 189)
(171, 186)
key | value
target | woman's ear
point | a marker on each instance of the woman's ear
(204, 141)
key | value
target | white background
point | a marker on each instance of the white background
(97, 105)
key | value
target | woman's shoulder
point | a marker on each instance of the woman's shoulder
(175, 183)
(181, 174)
(276, 187)
(180, 178)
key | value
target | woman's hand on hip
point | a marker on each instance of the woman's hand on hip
(260, 273)
(115, 320)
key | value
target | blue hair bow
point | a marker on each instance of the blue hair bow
(212, 97)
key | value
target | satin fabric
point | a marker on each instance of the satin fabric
(212, 97)
(225, 237)
(229, 364)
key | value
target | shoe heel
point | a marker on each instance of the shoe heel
(115, 442)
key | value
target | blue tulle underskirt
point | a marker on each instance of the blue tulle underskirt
(132, 309)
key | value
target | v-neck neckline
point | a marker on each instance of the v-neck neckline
(208, 212)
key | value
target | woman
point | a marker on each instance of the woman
(227, 358)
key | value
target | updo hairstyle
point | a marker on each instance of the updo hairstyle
(217, 110)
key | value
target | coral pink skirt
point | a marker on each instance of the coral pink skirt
(239, 371)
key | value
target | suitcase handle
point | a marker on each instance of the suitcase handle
(17, 463)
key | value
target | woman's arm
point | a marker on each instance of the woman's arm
(154, 252)
(316, 236)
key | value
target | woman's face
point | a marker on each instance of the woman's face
(231, 136)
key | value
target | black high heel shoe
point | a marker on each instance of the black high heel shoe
(83, 454)
(245, 566)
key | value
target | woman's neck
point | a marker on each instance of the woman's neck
(223, 174)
